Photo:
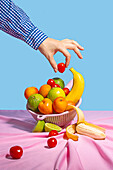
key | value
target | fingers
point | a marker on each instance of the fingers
(52, 47)
(67, 55)
(73, 45)
(68, 41)
(77, 45)
(53, 63)
(76, 50)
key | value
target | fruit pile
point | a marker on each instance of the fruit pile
(50, 98)
(58, 99)
(54, 97)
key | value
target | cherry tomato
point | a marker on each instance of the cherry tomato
(55, 85)
(50, 82)
(66, 90)
(61, 67)
(53, 133)
(16, 152)
(52, 142)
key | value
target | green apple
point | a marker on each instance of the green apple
(59, 81)
(33, 102)
(55, 92)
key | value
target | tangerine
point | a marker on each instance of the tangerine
(29, 91)
(59, 104)
(44, 90)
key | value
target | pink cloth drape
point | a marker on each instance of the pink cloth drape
(85, 154)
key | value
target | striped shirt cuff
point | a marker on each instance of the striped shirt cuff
(35, 38)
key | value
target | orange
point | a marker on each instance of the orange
(59, 104)
(45, 106)
(68, 105)
(29, 91)
(44, 90)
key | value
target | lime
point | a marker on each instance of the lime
(39, 126)
(51, 126)
(59, 81)
(33, 101)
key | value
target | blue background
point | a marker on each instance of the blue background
(90, 23)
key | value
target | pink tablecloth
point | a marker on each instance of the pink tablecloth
(84, 154)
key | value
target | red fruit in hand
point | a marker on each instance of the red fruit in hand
(61, 67)
(50, 82)
(53, 133)
(55, 85)
(52, 142)
(16, 152)
(66, 90)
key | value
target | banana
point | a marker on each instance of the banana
(90, 131)
(70, 132)
(80, 115)
(95, 126)
(77, 88)
(85, 128)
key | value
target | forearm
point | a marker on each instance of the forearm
(15, 22)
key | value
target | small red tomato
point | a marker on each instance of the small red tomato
(55, 85)
(66, 90)
(50, 82)
(53, 133)
(16, 152)
(61, 67)
(52, 142)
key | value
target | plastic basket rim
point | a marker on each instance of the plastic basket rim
(53, 115)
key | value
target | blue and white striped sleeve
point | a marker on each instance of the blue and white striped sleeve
(14, 21)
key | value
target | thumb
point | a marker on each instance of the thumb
(53, 63)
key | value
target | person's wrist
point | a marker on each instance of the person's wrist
(43, 44)
(35, 38)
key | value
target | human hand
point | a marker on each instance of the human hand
(50, 47)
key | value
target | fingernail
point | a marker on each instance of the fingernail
(66, 65)
(55, 70)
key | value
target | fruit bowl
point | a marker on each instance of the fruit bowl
(60, 119)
